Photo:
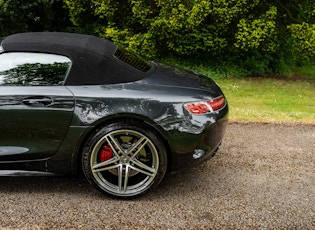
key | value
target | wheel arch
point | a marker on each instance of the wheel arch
(154, 127)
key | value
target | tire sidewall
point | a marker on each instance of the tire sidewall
(132, 125)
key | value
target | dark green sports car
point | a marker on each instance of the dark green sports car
(71, 103)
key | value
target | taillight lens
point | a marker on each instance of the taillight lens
(202, 107)
(217, 103)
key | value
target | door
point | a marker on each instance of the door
(35, 107)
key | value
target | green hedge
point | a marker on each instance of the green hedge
(258, 36)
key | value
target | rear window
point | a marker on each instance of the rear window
(133, 60)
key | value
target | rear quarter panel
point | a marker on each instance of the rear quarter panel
(161, 106)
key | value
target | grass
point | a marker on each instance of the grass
(267, 99)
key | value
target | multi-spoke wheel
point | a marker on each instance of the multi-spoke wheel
(124, 159)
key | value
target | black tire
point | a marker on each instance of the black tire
(124, 159)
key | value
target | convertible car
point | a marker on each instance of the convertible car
(73, 103)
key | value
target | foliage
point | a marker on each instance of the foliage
(259, 36)
(39, 15)
(307, 71)
(255, 33)
(304, 39)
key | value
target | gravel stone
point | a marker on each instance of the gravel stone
(263, 177)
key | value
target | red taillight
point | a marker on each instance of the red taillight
(217, 103)
(202, 107)
(197, 107)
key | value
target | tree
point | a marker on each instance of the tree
(39, 15)
(258, 35)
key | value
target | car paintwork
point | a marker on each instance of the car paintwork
(35, 130)
(49, 137)
(96, 105)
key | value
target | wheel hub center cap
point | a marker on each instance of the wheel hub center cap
(124, 159)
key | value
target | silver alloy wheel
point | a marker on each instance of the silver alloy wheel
(132, 165)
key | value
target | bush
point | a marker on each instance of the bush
(260, 37)
(39, 15)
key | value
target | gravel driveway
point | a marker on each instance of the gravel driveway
(263, 177)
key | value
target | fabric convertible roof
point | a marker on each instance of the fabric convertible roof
(93, 60)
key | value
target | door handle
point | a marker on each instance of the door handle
(37, 101)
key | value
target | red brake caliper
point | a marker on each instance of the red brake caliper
(106, 153)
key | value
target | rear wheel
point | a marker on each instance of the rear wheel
(124, 159)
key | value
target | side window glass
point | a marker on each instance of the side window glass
(33, 69)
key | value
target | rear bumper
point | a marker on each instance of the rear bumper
(208, 143)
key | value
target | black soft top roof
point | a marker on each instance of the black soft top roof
(93, 60)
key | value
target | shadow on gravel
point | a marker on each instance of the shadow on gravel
(183, 183)
(44, 184)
